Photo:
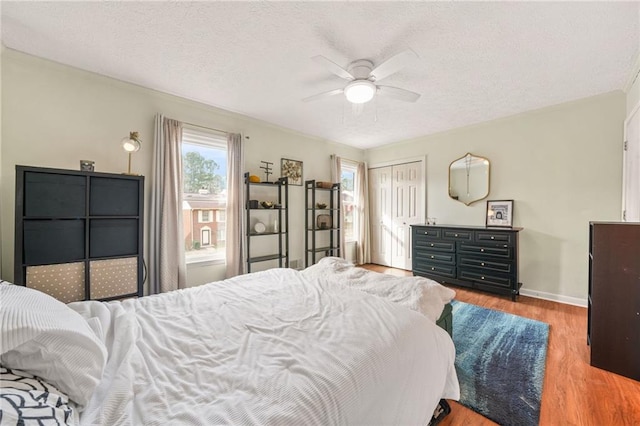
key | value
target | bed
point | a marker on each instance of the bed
(332, 344)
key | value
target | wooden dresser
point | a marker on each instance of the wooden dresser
(614, 297)
(478, 257)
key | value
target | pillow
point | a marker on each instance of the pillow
(25, 399)
(44, 337)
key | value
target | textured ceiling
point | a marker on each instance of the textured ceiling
(477, 61)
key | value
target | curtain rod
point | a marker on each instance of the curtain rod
(204, 127)
(348, 159)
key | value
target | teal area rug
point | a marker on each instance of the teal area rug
(500, 361)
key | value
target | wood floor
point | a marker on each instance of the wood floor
(573, 393)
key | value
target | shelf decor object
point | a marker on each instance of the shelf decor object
(322, 230)
(273, 239)
(79, 235)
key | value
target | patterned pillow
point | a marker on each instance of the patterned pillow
(29, 400)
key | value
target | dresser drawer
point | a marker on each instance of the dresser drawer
(435, 256)
(426, 232)
(485, 264)
(485, 277)
(421, 243)
(494, 237)
(498, 250)
(457, 234)
(434, 268)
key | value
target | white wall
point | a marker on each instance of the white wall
(54, 115)
(562, 165)
(633, 89)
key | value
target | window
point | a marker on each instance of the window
(221, 215)
(205, 216)
(204, 174)
(347, 180)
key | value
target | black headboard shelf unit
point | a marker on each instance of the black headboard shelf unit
(79, 235)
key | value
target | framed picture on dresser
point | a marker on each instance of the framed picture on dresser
(500, 213)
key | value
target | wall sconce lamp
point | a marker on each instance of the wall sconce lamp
(131, 144)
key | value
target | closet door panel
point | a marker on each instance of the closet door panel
(380, 214)
(399, 213)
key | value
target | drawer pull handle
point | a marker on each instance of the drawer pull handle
(433, 269)
(456, 235)
(493, 238)
(431, 245)
(482, 264)
(426, 232)
(482, 278)
(481, 249)
(433, 257)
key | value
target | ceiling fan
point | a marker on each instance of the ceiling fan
(363, 78)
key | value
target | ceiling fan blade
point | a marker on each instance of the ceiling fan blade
(399, 94)
(393, 64)
(323, 95)
(333, 67)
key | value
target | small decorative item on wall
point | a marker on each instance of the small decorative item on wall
(87, 165)
(293, 170)
(500, 213)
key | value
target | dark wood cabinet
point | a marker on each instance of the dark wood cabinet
(79, 235)
(478, 257)
(613, 330)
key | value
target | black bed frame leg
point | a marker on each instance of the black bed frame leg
(442, 410)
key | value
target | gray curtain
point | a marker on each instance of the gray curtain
(235, 205)
(336, 176)
(363, 249)
(167, 268)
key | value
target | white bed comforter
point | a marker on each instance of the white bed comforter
(417, 293)
(269, 348)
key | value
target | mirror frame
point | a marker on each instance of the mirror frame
(488, 179)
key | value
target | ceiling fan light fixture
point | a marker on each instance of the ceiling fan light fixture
(360, 91)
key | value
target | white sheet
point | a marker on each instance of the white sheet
(269, 348)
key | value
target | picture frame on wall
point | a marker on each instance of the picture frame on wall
(500, 213)
(291, 169)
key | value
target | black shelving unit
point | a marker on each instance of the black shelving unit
(254, 214)
(79, 235)
(324, 240)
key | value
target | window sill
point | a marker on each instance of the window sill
(199, 263)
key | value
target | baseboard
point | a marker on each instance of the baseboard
(567, 300)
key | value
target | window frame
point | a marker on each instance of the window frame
(347, 166)
(214, 140)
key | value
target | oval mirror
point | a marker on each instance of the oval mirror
(469, 179)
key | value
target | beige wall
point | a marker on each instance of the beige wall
(54, 116)
(562, 165)
(633, 92)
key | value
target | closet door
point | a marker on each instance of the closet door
(380, 215)
(407, 209)
(631, 169)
